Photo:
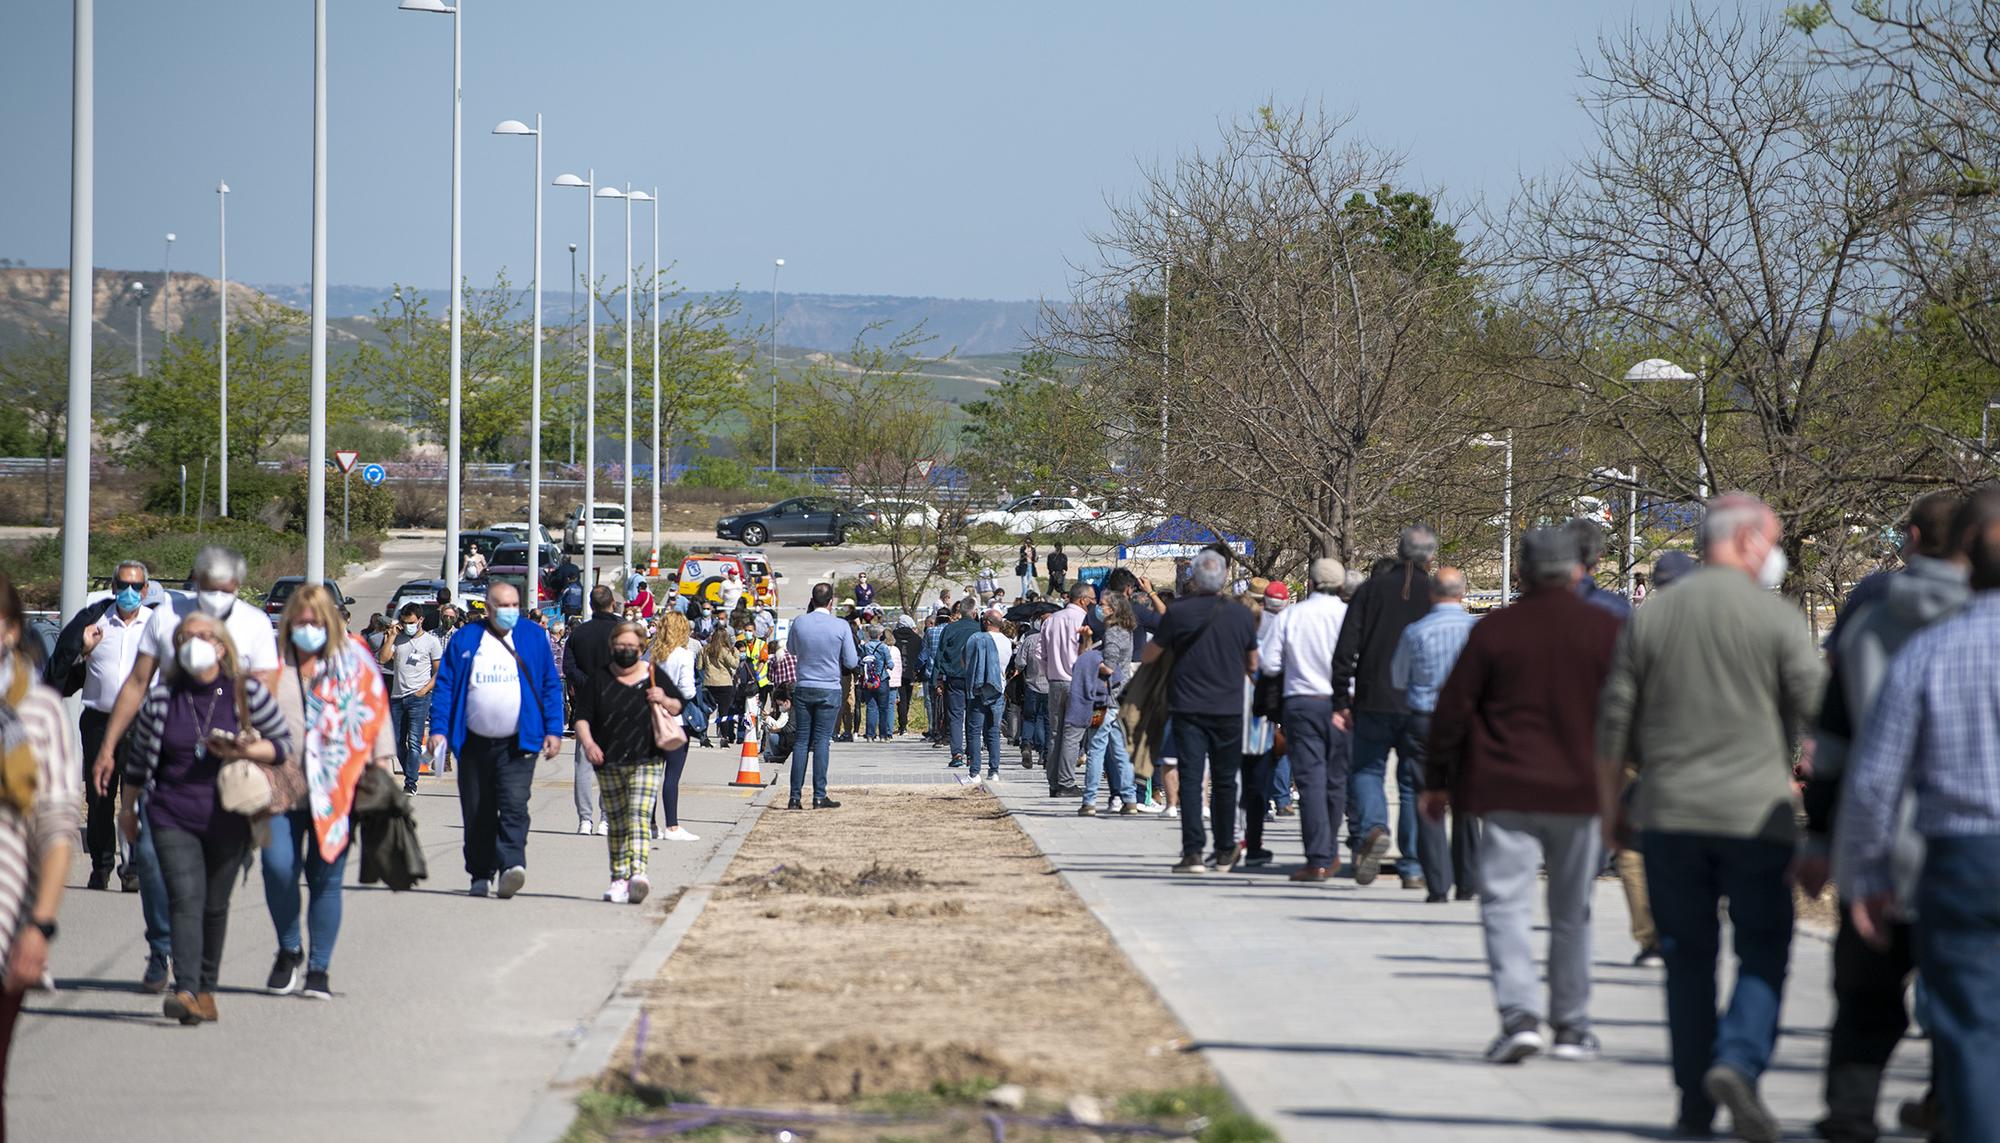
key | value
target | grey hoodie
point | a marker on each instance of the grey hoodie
(1926, 591)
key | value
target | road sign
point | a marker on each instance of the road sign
(374, 473)
(345, 458)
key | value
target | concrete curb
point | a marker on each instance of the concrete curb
(554, 1108)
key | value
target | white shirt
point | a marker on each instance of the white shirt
(493, 700)
(250, 629)
(1006, 648)
(731, 591)
(111, 662)
(679, 667)
(1299, 645)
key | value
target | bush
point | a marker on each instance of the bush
(371, 509)
(167, 544)
(735, 475)
(252, 491)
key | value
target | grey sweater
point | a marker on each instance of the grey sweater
(1711, 685)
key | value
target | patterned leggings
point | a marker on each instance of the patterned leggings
(629, 794)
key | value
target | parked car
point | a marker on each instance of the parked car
(519, 530)
(701, 575)
(281, 591)
(422, 592)
(800, 520)
(1031, 514)
(546, 557)
(517, 574)
(606, 528)
(899, 513)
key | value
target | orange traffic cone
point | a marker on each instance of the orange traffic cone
(749, 771)
(653, 564)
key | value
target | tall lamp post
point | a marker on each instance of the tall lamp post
(516, 127)
(776, 266)
(167, 294)
(452, 513)
(1488, 440)
(654, 199)
(626, 194)
(316, 401)
(1658, 369)
(139, 327)
(583, 525)
(572, 347)
(222, 339)
(82, 287)
(1630, 479)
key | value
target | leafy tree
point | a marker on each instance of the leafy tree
(409, 374)
(703, 365)
(34, 420)
(1035, 430)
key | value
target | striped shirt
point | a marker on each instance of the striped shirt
(1425, 654)
(144, 755)
(58, 794)
(1934, 728)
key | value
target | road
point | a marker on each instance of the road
(450, 1014)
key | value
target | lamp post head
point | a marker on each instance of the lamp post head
(1657, 369)
(222, 188)
(170, 238)
(572, 247)
(514, 127)
(435, 6)
(138, 288)
(641, 196)
(568, 180)
(779, 262)
(610, 192)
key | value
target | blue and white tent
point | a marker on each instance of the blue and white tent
(1178, 536)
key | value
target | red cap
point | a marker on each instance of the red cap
(1278, 590)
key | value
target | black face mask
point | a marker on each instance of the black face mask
(624, 656)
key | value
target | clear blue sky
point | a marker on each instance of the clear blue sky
(958, 150)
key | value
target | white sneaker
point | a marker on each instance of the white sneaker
(511, 881)
(678, 833)
(1173, 811)
(973, 781)
(620, 893)
(637, 888)
(1152, 808)
(583, 828)
(604, 829)
(1205, 814)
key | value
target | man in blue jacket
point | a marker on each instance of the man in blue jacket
(498, 702)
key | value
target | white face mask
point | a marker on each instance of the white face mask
(411, 629)
(197, 656)
(1771, 573)
(216, 603)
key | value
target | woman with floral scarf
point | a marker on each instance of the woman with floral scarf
(337, 708)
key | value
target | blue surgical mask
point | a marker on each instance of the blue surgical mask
(309, 638)
(128, 598)
(505, 617)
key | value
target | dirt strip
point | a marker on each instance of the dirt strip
(912, 940)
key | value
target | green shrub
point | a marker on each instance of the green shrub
(252, 491)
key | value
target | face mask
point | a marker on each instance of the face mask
(196, 656)
(216, 603)
(624, 656)
(505, 617)
(1771, 574)
(309, 638)
(128, 598)
(411, 629)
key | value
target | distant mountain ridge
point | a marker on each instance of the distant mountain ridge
(828, 322)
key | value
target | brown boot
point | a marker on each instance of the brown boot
(205, 1004)
(182, 1006)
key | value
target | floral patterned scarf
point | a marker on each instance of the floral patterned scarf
(346, 708)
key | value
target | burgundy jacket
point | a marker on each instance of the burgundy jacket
(1515, 726)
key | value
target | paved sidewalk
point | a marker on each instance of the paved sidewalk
(451, 1014)
(1343, 1013)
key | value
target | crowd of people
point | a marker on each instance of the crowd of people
(1699, 746)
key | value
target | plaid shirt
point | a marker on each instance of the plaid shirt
(1935, 727)
(1425, 653)
(785, 669)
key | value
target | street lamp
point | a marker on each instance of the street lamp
(626, 194)
(1631, 482)
(222, 340)
(1488, 440)
(452, 517)
(82, 288)
(534, 587)
(1657, 369)
(316, 401)
(776, 266)
(139, 326)
(572, 347)
(167, 295)
(589, 185)
(654, 199)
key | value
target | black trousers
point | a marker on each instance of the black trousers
(1869, 1020)
(200, 871)
(100, 830)
(1206, 740)
(1256, 795)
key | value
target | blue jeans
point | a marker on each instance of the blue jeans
(1281, 781)
(407, 715)
(954, 715)
(153, 905)
(982, 728)
(1102, 743)
(813, 712)
(1957, 933)
(1375, 734)
(878, 708)
(293, 844)
(1688, 876)
(1034, 721)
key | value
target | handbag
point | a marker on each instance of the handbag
(669, 733)
(244, 787)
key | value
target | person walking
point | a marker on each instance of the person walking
(1058, 565)
(909, 649)
(585, 652)
(987, 653)
(825, 649)
(874, 687)
(337, 717)
(412, 655)
(498, 704)
(97, 659)
(951, 663)
(1059, 652)
(615, 728)
(1385, 604)
(1300, 650)
(673, 652)
(207, 710)
(41, 787)
(1710, 687)
(718, 661)
(1423, 659)
(1512, 739)
(931, 671)
(1034, 695)
(1215, 645)
(1025, 566)
(1932, 737)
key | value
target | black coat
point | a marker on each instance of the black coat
(390, 850)
(67, 669)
